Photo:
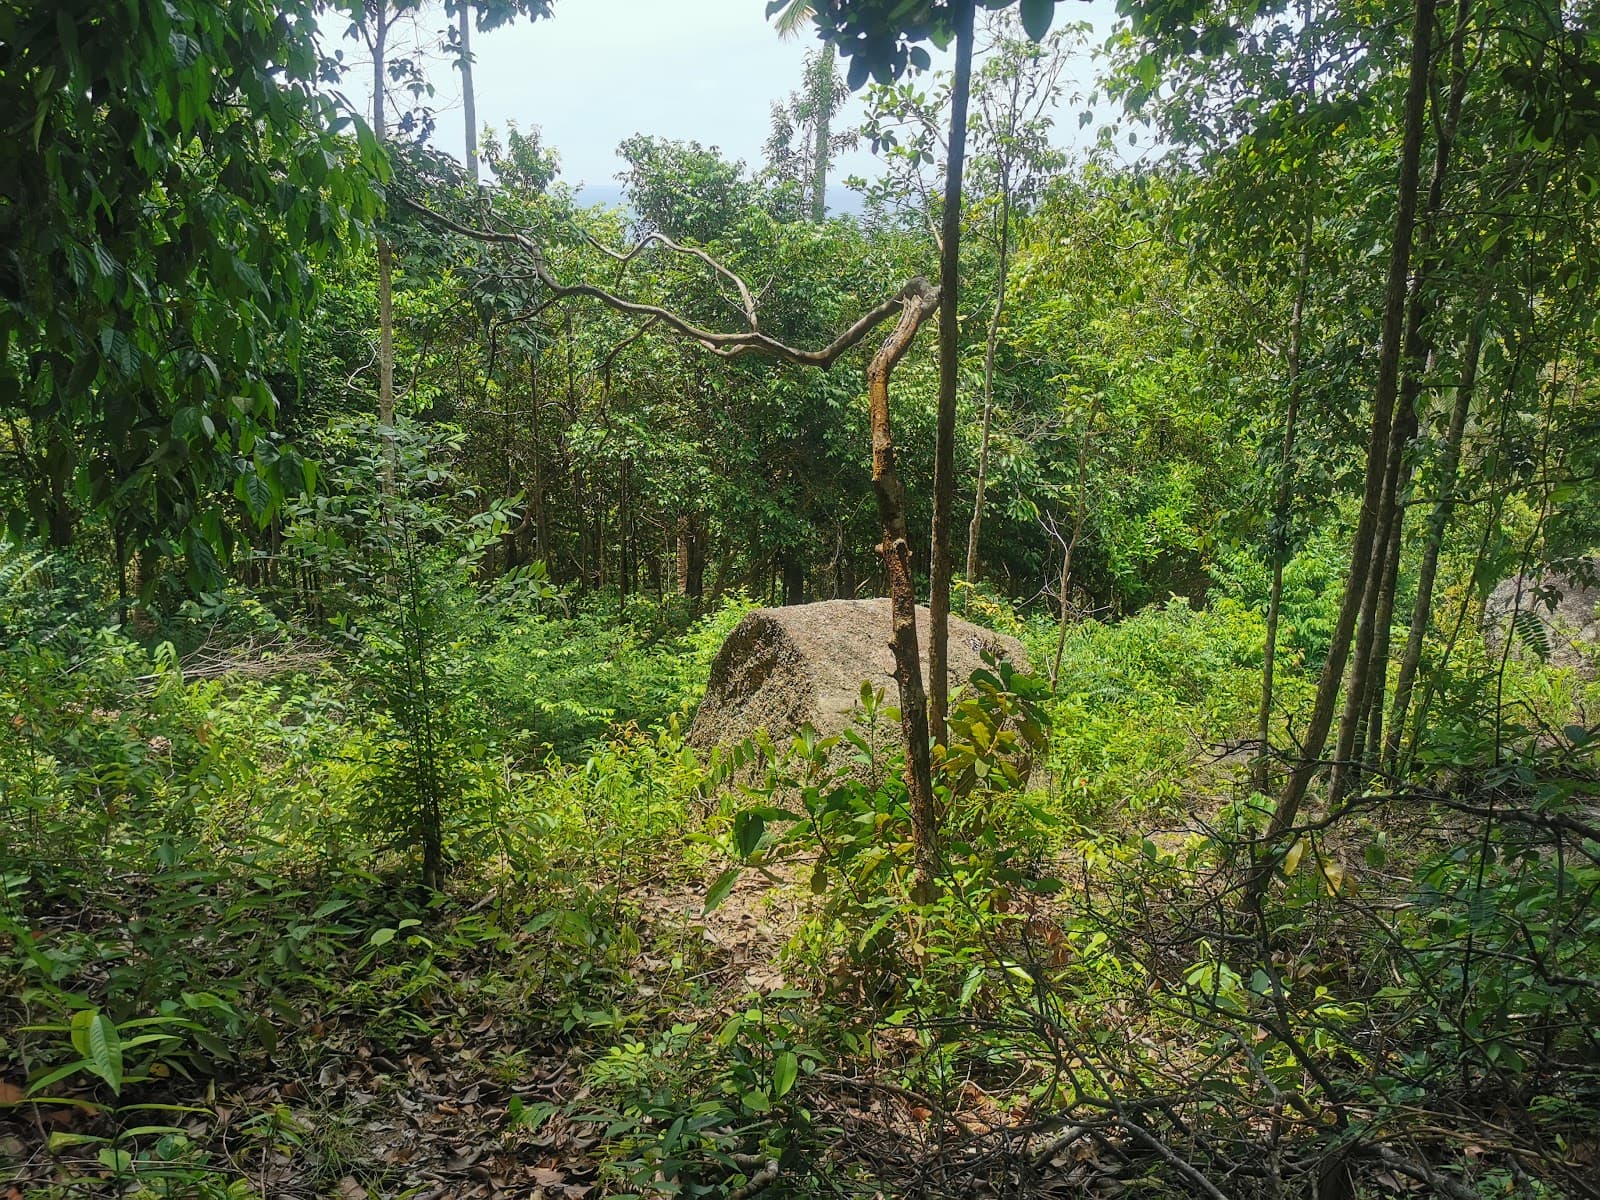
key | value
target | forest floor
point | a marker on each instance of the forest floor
(247, 996)
(452, 1080)
(451, 1089)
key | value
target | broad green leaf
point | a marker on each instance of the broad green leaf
(94, 1035)
(114, 1160)
(1036, 17)
(784, 1072)
(748, 828)
(720, 887)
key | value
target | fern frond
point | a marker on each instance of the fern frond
(1531, 632)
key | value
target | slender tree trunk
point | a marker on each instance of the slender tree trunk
(1369, 733)
(469, 99)
(683, 555)
(1080, 512)
(541, 530)
(61, 522)
(697, 564)
(990, 343)
(1438, 521)
(119, 555)
(794, 579)
(822, 130)
(380, 42)
(1344, 768)
(1383, 404)
(919, 300)
(1281, 507)
(1369, 669)
(944, 458)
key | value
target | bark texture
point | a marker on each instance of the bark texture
(918, 302)
(944, 453)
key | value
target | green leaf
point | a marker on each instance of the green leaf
(62, 1141)
(382, 937)
(60, 1073)
(748, 828)
(258, 497)
(114, 1160)
(1036, 17)
(757, 1101)
(784, 1073)
(720, 887)
(94, 1035)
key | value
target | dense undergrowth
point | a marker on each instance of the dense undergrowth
(221, 979)
(371, 521)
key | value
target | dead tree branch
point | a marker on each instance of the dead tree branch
(723, 344)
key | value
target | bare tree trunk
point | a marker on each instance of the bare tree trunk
(1383, 405)
(1344, 767)
(469, 100)
(696, 589)
(683, 555)
(1281, 506)
(691, 560)
(919, 300)
(794, 579)
(1369, 733)
(1438, 521)
(944, 456)
(1080, 511)
(541, 527)
(991, 342)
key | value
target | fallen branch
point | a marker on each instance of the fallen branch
(1444, 1184)
(766, 1175)
(1173, 1159)
(901, 1093)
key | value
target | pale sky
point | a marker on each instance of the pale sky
(600, 70)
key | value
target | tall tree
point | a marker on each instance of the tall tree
(882, 38)
(1016, 88)
(944, 447)
(1377, 503)
(170, 175)
(486, 15)
(375, 22)
(808, 114)
(1362, 721)
(818, 103)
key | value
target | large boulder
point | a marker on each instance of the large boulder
(782, 668)
(1554, 612)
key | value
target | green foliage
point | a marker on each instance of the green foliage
(400, 565)
(563, 681)
(1142, 703)
(880, 37)
(685, 190)
(819, 807)
(176, 169)
(705, 1108)
(474, 638)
